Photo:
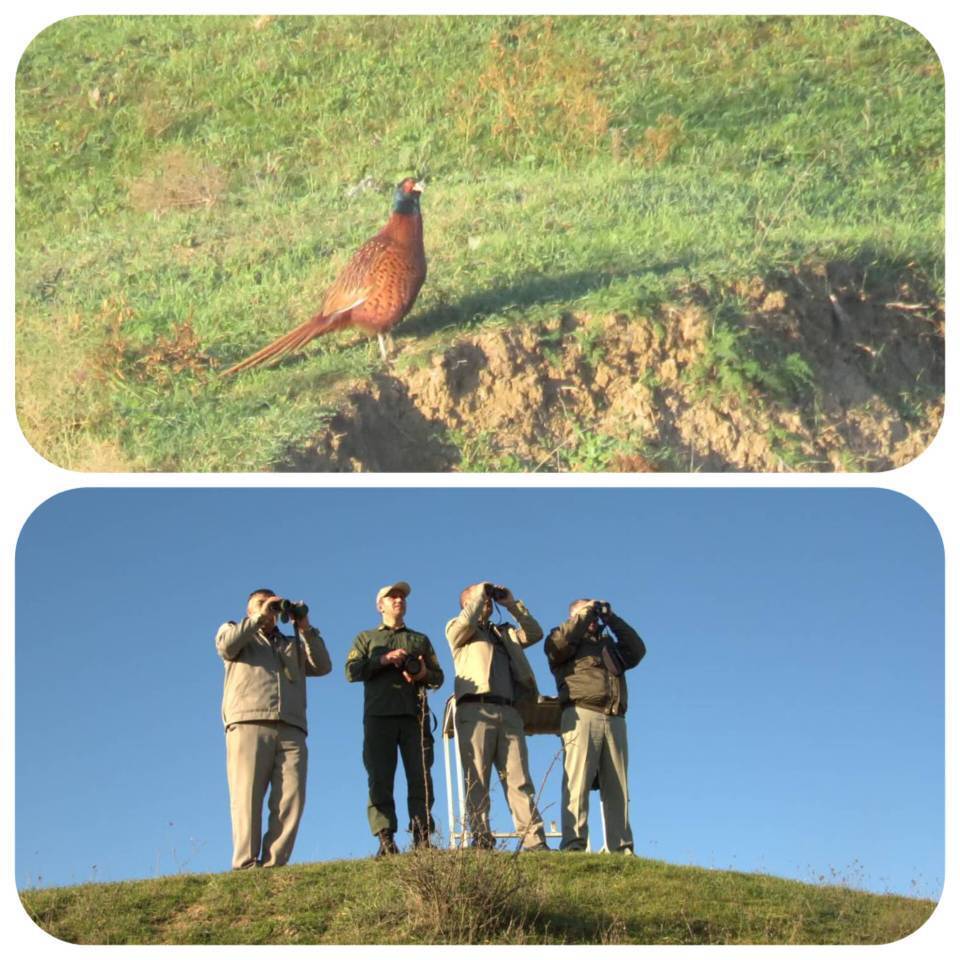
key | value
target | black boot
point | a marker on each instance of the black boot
(387, 846)
(421, 835)
(484, 841)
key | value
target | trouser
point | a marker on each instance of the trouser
(594, 746)
(492, 735)
(382, 738)
(262, 755)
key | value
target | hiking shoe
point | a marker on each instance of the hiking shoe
(421, 841)
(539, 848)
(421, 835)
(387, 845)
(484, 841)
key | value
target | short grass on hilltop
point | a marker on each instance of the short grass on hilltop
(188, 186)
(443, 896)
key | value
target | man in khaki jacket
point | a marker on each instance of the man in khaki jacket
(265, 717)
(492, 676)
(588, 664)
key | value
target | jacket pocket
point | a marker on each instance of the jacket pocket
(584, 681)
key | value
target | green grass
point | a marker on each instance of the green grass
(184, 195)
(470, 897)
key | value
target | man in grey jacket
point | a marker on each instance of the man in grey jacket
(492, 677)
(265, 717)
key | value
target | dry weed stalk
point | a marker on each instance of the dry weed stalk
(465, 895)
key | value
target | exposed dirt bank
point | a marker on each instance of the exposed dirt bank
(814, 373)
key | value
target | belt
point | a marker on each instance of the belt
(485, 698)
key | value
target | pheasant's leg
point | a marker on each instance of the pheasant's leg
(383, 346)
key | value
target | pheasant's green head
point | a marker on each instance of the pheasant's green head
(406, 198)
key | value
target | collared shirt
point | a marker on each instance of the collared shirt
(386, 692)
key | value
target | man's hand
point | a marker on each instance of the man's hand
(419, 675)
(584, 611)
(267, 611)
(302, 623)
(393, 658)
(503, 595)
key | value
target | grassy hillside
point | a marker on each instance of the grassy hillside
(471, 897)
(187, 188)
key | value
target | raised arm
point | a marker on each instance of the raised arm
(462, 628)
(563, 641)
(530, 630)
(630, 646)
(232, 637)
(318, 662)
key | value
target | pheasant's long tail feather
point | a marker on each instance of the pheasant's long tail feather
(289, 342)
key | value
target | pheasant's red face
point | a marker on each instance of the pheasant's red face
(406, 198)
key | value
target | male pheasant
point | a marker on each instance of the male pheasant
(374, 291)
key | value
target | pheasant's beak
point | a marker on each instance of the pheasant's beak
(418, 187)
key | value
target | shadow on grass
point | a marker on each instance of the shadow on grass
(471, 311)
(532, 291)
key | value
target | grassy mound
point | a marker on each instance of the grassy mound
(442, 896)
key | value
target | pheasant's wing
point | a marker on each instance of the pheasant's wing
(357, 279)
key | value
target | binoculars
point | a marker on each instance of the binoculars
(288, 610)
(494, 593)
(600, 610)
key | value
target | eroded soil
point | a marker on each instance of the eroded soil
(862, 389)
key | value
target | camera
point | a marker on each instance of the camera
(411, 665)
(288, 610)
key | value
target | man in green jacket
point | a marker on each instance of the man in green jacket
(265, 718)
(493, 677)
(397, 666)
(588, 655)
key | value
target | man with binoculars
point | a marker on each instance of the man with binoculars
(492, 678)
(397, 666)
(588, 663)
(265, 717)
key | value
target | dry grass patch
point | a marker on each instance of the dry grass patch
(537, 83)
(177, 180)
(170, 355)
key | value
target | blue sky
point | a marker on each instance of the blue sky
(788, 717)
